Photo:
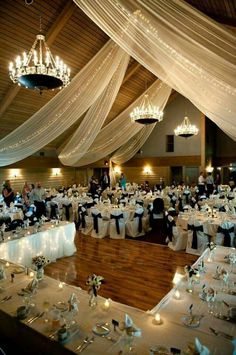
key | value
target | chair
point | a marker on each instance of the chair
(53, 208)
(176, 235)
(117, 225)
(135, 227)
(225, 235)
(85, 221)
(67, 212)
(197, 239)
(100, 227)
(14, 224)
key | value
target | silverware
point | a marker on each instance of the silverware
(36, 317)
(6, 298)
(81, 344)
(103, 326)
(225, 335)
(85, 345)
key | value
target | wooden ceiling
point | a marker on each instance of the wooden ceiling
(75, 38)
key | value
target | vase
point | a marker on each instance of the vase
(40, 273)
(190, 285)
(92, 300)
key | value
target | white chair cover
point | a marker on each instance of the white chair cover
(113, 233)
(202, 239)
(132, 226)
(179, 239)
(220, 236)
(103, 226)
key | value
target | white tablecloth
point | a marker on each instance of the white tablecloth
(172, 333)
(53, 242)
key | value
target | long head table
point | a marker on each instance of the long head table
(171, 333)
(52, 241)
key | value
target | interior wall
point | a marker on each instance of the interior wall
(138, 175)
(49, 177)
(173, 116)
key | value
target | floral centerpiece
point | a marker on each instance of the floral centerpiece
(190, 272)
(39, 262)
(212, 247)
(94, 282)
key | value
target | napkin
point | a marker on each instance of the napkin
(2, 273)
(130, 328)
(201, 349)
(31, 287)
(73, 303)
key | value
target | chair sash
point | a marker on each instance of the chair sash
(95, 221)
(67, 211)
(140, 225)
(89, 204)
(222, 209)
(195, 229)
(139, 203)
(173, 201)
(81, 217)
(117, 218)
(180, 204)
(169, 228)
(226, 232)
(186, 194)
(53, 212)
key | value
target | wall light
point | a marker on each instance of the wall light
(209, 169)
(147, 170)
(15, 173)
(218, 168)
(117, 170)
(56, 171)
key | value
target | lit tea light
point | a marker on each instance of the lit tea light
(31, 274)
(52, 226)
(106, 305)
(209, 260)
(28, 233)
(177, 295)
(177, 278)
(157, 319)
(61, 285)
(7, 264)
(8, 238)
(197, 278)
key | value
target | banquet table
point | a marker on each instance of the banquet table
(210, 224)
(52, 241)
(171, 333)
(15, 213)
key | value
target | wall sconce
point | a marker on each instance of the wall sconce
(56, 171)
(15, 173)
(209, 169)
(106, 163)
(219, 168)
(147, 170)
(117, 170)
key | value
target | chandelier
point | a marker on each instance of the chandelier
(38, 69)
(146, 113)
(186, 129)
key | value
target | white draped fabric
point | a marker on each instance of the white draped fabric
(181, 46)
(95, 117)
(64, 109)
(119, 131)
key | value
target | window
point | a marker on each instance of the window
(169, 143)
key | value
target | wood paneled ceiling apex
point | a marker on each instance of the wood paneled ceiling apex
(76, 39)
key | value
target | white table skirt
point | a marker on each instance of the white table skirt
(52, 242)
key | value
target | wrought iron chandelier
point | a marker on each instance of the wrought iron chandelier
(186, 129)
(38, 69)
(146, 113)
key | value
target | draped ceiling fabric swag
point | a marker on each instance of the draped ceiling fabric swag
(64, 109)
(119, 131)
(181, 46)
(94, 119)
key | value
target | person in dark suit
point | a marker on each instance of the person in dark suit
(105, 181)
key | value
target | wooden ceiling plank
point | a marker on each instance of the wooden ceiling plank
(52, 33)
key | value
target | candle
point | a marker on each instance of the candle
(60, 285)
(106, 305)
(7, 264)
(177, 295)
(31, 274)
(157, 319)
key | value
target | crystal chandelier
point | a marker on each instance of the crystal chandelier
(186, 129)
(146, 113)
(38, 69)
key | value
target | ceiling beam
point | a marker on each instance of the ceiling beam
(51, 36)
(131, 71)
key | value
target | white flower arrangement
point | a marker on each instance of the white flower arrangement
(39, 261)
(211, 246)
(94, 282)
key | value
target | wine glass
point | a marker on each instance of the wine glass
(46, 307)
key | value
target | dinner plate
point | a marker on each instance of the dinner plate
(191, 322)
(101, 329)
